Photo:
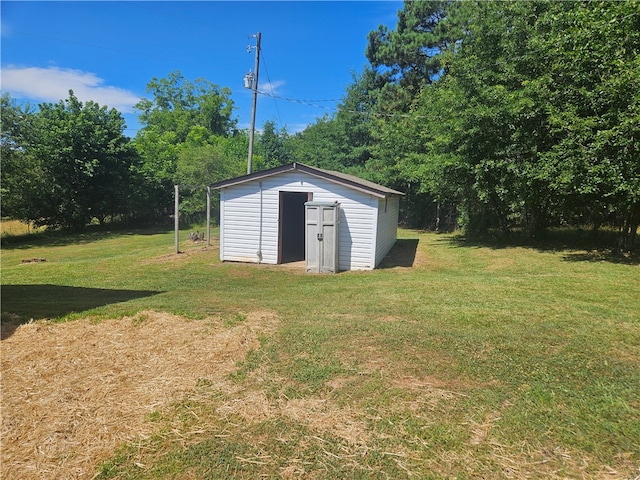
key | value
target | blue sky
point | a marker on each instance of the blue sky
(108, 51)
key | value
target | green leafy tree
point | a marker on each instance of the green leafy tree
(343, 141)
(355, 120)
(403, 63)
(408, 55)
(177, 104)
(203, 160)
(546, 98)
(21, 175)
(273, 146)
(503, 120)
(177, 110)
(530, 121)
(319, 144)
(81, 166)
(591, 52)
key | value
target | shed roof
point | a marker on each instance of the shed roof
(345, 179)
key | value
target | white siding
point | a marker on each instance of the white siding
(247, 229)
(387, 231)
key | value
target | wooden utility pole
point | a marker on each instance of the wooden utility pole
(254, 103)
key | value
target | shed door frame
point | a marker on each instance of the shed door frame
(296, 199)
(322, 226)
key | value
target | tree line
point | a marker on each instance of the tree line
(500, 115)
(68, 164)
(490, 116)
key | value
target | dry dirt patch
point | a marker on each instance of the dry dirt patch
(73, 392)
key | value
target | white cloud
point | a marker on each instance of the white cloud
(296, 127)
(271, 88)
(53, 84)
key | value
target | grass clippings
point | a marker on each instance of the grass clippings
(73, 392)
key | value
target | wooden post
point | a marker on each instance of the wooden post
(176, 218)
(208, 216)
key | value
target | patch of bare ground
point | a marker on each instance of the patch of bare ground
(73, 392)
(317, 414)
(427, 391)
(186, 253)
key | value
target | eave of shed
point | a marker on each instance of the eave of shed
(345, 179)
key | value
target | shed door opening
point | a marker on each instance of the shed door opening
(291, 228)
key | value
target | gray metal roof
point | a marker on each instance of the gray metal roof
(351, 181)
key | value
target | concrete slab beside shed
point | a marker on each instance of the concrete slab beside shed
(262, 216)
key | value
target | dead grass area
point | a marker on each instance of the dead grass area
(73, 392)
(10, 227)
(187, 253)
(319, 415)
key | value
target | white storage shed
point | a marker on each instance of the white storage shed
(279, 216)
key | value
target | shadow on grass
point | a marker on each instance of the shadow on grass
(578, 245)
(402, 254)
(22, 303)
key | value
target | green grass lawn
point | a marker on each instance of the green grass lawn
(480, 361)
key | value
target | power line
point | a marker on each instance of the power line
(335, 108)
(309, 103)
(264, 62)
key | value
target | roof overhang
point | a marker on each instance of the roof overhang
(345, 179)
